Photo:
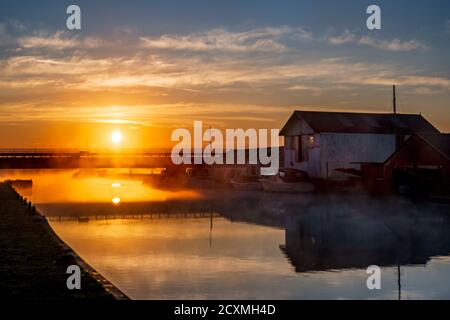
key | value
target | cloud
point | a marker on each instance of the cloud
(346, 37)
(270, 39)
(414, 80)
(59, 40)
(200, 77)
(304, 88)
(393, 45)
(447, 27)
(139, 114)
(264, 40)
(146, 82)
(388, 45)
(426, 91)
(401, 80)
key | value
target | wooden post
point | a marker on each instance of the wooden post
(394, 100)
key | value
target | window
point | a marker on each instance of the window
(311, 141)
(299, 149)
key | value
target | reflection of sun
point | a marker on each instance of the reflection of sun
(116, 200)
(116, 137)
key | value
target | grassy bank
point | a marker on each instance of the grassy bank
(33, 260)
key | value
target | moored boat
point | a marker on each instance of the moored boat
(288, 181)
(246, 183)
(246, 186)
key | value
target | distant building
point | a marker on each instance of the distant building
(424, 158)
(329, 144)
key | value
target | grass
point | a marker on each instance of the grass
(33, 262)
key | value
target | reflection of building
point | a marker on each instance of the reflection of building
(327, 144)
(320, 242)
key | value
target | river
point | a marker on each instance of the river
(154, 243)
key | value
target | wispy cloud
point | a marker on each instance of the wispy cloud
(141, 115)
(304, 88)
(427, 91)
(264, 40)
(388, 45)
(60, 40)
(345, 37)
(42, 40)
(197, 75)
(210, 75)
(380, 79)
(393, 45)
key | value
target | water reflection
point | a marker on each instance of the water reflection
(182, 257)
(228, 245)
(269, 247)
(322, 241)
(179, 258)
(91, 186)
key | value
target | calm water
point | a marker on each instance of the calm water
(185, 244)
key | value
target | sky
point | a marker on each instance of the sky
(148, 67)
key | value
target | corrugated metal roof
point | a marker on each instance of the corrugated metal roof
(344, 122)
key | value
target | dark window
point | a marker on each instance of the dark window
(299, 149)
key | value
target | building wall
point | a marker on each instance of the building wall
(339, 150)
(312, 165)
(418, 154)
(297, 127)
(343, 150)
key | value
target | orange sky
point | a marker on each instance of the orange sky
(62, 89)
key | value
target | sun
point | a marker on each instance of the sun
(116, 137)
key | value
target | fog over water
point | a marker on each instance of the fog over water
(222, 244)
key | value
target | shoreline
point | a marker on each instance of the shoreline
(36, 259)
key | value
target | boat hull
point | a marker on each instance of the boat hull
(284, 187)
(247, 186)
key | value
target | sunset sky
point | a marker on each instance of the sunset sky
(148, 67)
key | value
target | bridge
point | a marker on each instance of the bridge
(71, 160)
(84, 159)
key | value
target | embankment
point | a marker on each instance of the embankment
(33, 260)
